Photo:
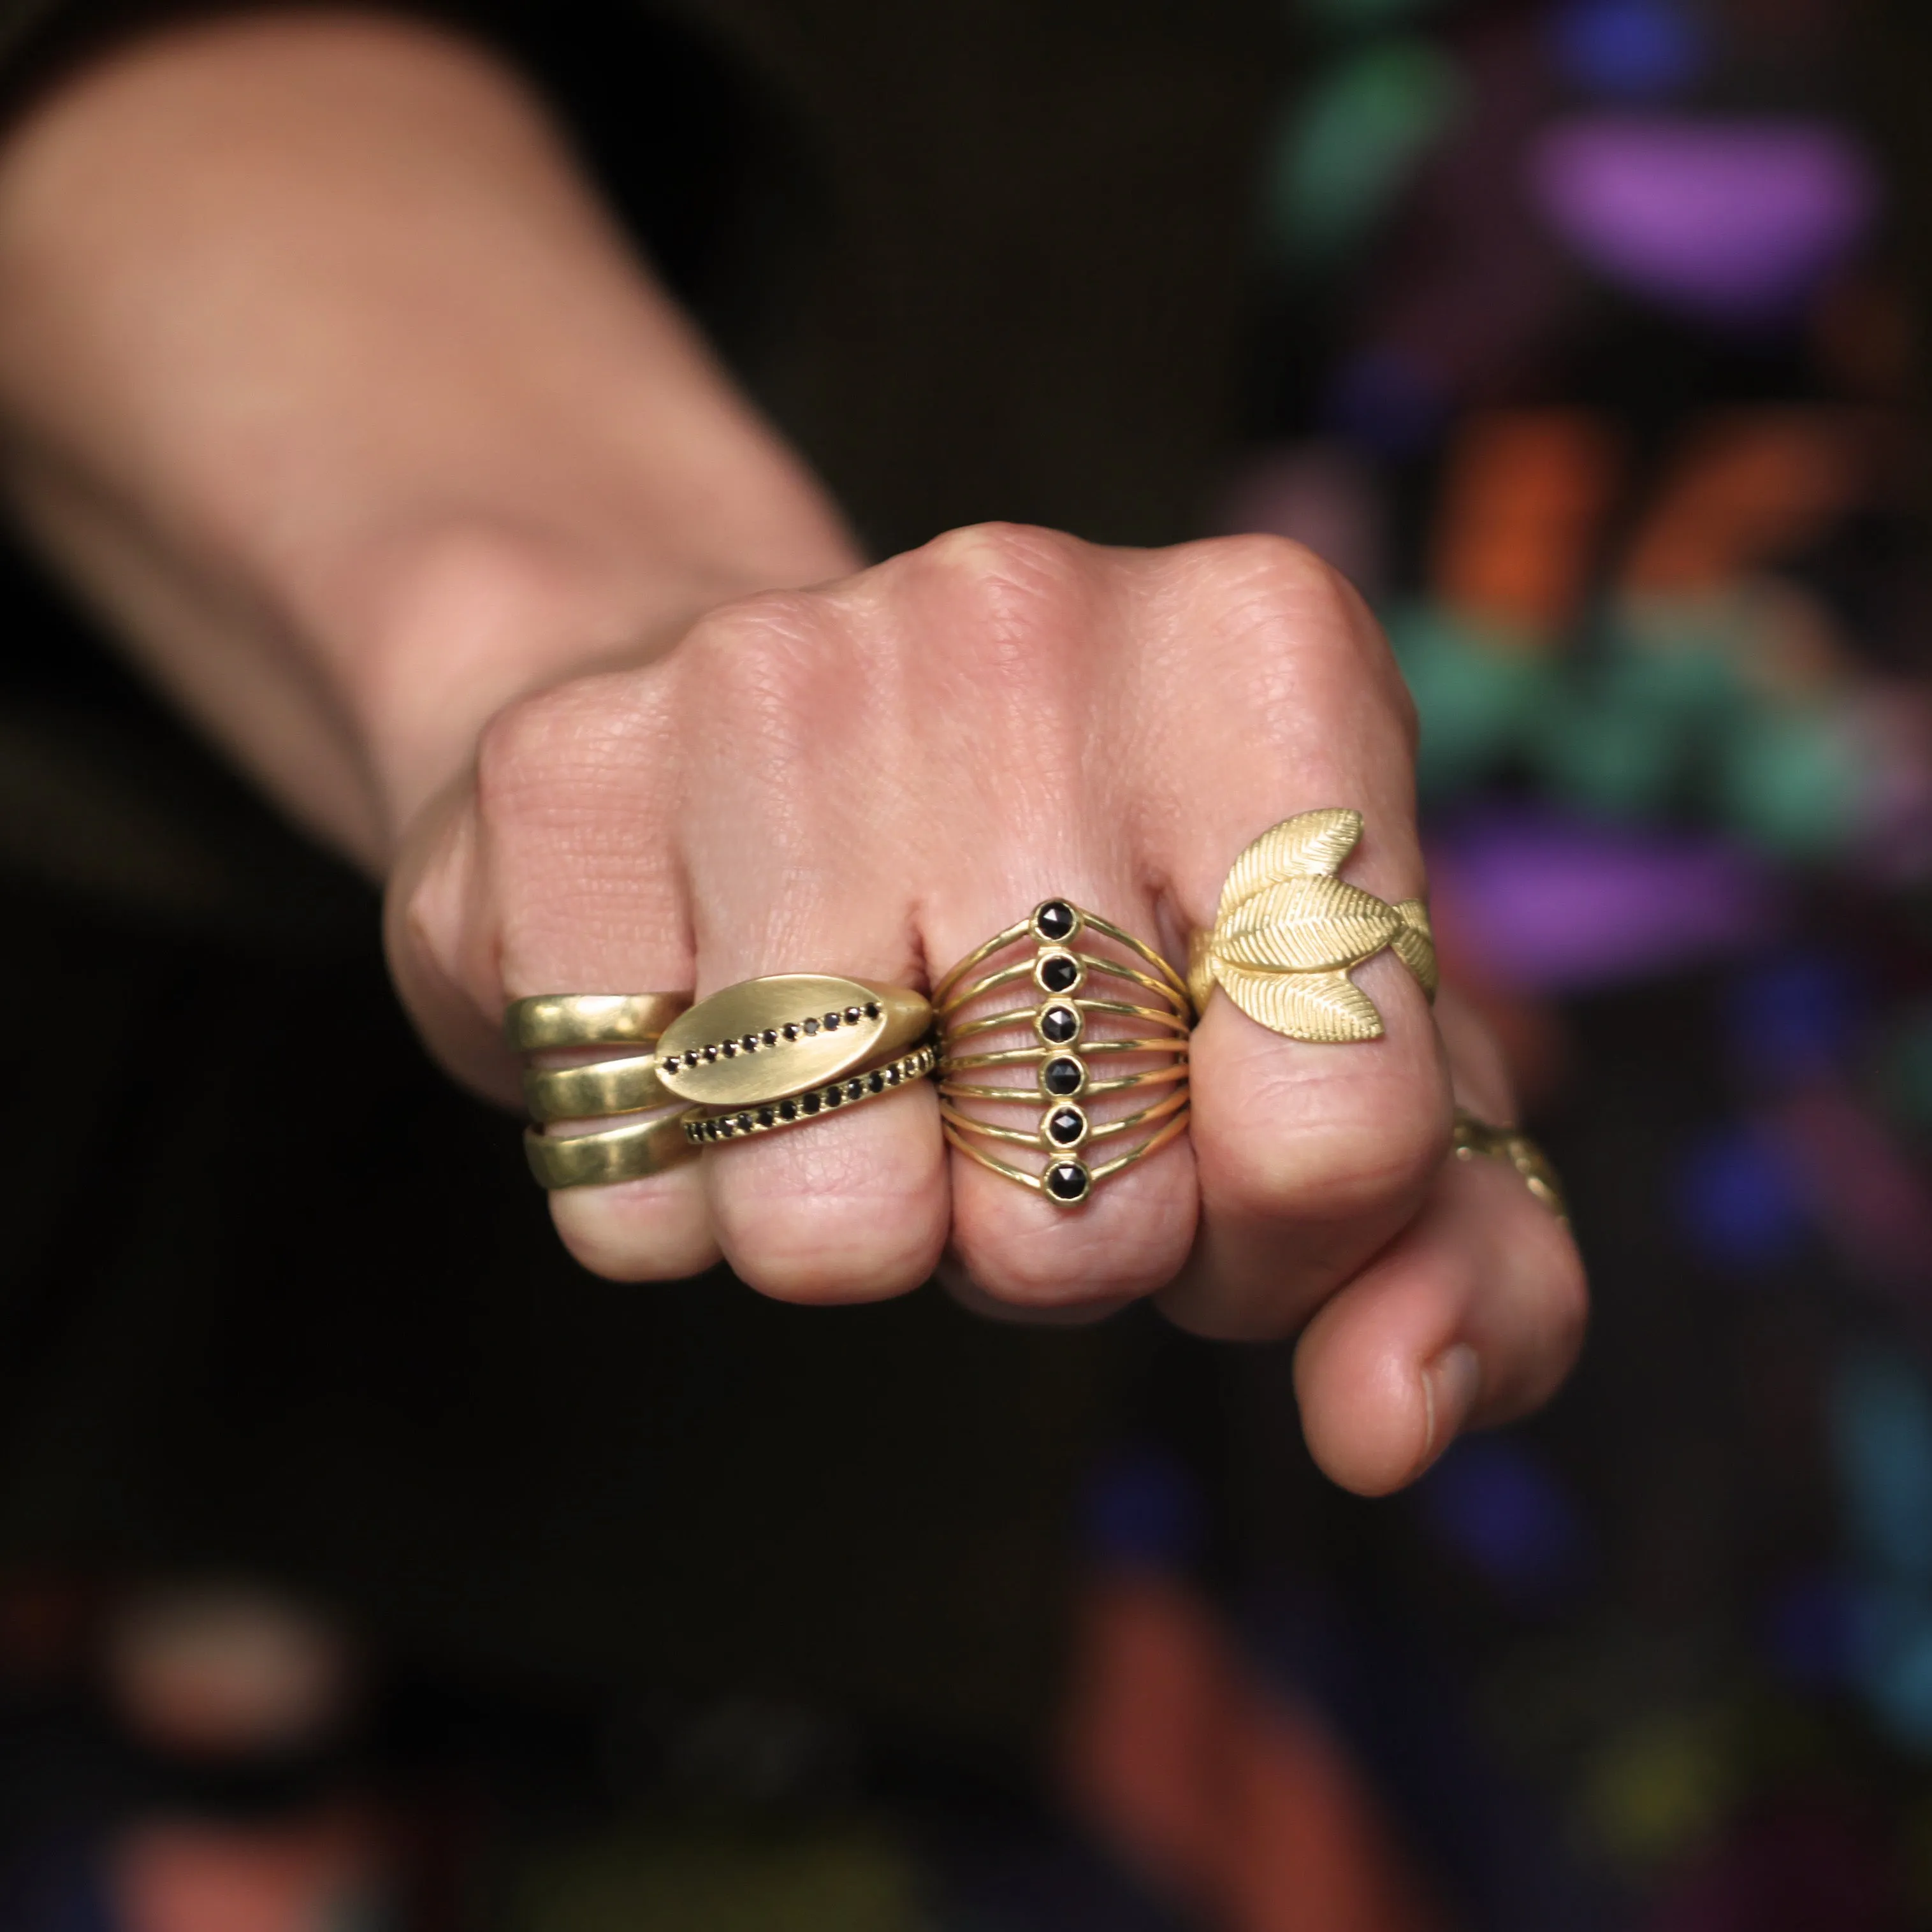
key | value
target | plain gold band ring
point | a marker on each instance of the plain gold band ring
(588, 1092)
(549, 1020)
(618, 1153)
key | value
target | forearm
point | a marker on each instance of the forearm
(323, 375)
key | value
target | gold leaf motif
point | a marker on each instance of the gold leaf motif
(1326, 1008)
(1309, 843)
(1414, 943)
(1307, 925)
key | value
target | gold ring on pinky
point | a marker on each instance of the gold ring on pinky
(708, 1129)
(551, 1020)
(1289, 931)
(630, 1086)
(1473, 1137)
(1086, 1011)
(628, 1153)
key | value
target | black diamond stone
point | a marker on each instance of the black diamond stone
(1056, 920)
(831, 1022)
(1068, 1180)
(1058, 1024)
(853, 1015)
(810, 1104)
(750, 1042)
(725, 1130)
(767, 1118)
(811, 1026)
(877, 1082)
(730, 1049)
(854, 1088)
(791, 1030)
(744, 1123)
(1059, 972)
(1067, 1127)
(771, 1035)
(872, 1010)
(711, 1053)
(1062, 1077)
(788, 1110)
(672, 1062)
(835, 1097)
(892, 1076)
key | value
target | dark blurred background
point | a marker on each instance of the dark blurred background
(365, 1565)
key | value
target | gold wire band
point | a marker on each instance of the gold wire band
(1025, 969)
(820, 1103)
(590, 1092)
(1021, 928)
(617, 1153)
(1149, 1076)
(1105, 1170)
(1473, 1137)
(547, 1020)
(1021, 1056)
(1003, 1022)
(1021, 1137)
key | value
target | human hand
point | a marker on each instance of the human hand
(868, 778)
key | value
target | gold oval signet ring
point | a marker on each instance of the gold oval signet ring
(785, 1034)
(549, 1020)
(1289, 931)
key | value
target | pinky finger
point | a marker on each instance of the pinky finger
(655, 1229)
(1473, 1316)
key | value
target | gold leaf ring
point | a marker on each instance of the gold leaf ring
(1289, 932)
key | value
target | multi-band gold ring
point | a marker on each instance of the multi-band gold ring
(1081, 1005)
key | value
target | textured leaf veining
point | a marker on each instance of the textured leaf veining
(1311, 843)
(1327, 1008)
(1307, 925)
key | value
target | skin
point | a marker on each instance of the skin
(325, 377)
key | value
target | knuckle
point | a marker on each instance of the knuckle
(1001, 588)
(555, 754)
(998, 559)
(1279, 597)
(750, 669)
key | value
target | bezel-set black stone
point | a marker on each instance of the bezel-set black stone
(1063, 1076)
(1060, 1023)
(1065, 1126)
(1055, 921)
(1067, 1182)
(1058, 972)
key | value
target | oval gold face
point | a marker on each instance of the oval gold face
(764, 1039)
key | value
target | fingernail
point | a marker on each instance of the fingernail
(1450, 1384)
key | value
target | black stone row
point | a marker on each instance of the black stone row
(753, 1042)
(914, 1066)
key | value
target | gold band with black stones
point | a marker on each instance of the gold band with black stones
(786, 1033)
(598, 1088)
(546, 1021)
(629, 1153)
(796, 1109)
(1473, 1137)
(1058, 970)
